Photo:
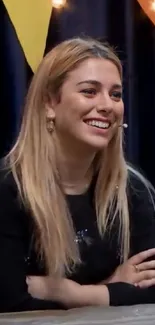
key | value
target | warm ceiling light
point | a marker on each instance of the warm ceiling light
(153, 5)
(58, 3)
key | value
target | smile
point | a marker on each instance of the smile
(99, 124)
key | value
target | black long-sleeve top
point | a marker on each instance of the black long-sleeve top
(100, 256)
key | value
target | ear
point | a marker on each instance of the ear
(50, 110)
(50, 107)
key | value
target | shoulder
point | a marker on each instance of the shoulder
(139, 187)
(8, 187)
(12, 213)
(7, 182)
(141, 198)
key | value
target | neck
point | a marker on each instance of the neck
(76, 169)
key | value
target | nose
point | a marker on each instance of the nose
(105, 104)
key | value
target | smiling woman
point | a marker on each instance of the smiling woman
(76, 222)
(91, 107)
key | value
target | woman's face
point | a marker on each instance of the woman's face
(91, 106)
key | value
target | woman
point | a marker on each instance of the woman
(77, 224)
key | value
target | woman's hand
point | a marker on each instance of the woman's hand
(61, 290)
(136, 271)
(67, 292)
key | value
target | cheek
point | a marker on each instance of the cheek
(75, 108)
(65, 117)
(119, 111)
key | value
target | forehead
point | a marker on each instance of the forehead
(102, 70)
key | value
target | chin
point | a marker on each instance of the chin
(98, 145)
(98, 140)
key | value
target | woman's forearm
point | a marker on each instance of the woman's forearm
(68, 292)
(94, 295)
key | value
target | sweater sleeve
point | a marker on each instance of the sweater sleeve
(14, 296)
(124, 294)
(142, 237)
(142, 216)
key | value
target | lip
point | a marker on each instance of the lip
(100, 119)
(99, 131)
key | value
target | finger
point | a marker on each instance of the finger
(146, 283)
(146, 266)
(145, 275)
(142, 256)
(28, 279)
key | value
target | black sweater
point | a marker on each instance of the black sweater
(100, 256)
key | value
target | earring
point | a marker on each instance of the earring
(50, 125)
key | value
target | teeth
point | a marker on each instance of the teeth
(99, 124)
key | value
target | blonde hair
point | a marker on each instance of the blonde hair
(32, 161)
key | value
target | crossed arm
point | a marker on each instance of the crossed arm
(135, 274)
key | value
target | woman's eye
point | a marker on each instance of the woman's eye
(90, 91)
(117, 94)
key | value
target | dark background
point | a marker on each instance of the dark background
(123, 24)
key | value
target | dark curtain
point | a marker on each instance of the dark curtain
(13, 77)
(123, 25)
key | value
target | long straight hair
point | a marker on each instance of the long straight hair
(32, 161)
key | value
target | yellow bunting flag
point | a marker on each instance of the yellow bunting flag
(149, 8)
(31, 21)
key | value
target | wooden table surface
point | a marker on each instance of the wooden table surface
(133, 315)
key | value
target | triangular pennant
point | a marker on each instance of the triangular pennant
(149, 8)
(31, 20)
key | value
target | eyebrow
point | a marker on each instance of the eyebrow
(97, 83)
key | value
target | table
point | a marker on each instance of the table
(132, 315)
